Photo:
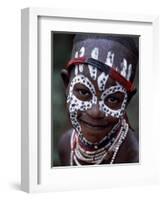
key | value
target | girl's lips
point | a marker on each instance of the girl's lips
(94, 125)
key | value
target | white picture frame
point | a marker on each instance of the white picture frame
(36, 171)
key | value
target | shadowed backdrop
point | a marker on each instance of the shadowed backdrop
(61, 52)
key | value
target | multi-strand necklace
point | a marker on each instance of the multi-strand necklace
(81, 153)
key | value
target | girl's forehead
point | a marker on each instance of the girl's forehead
(117, 53)
(97, 80)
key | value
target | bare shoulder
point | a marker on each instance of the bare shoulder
(64, 148)
(129, 150)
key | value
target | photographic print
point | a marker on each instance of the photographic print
(86, 94)
(95, 99)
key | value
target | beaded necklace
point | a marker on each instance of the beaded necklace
(80, 154)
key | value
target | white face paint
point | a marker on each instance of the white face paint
(76, 70)
(76, 104)
(102, 79)
(129, 72)
(110, 59)
(95, 53)
(79, 68)
(126, 69)
(76, 66)
(109, 111)
(76, 54)
(81, 54)
(93, 70)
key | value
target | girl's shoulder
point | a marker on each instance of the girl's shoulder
(129, 150)
(64, 147)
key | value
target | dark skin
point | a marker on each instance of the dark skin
(94, 124)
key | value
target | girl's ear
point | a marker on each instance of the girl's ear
(65, 77)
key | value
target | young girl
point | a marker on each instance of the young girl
(99, 85)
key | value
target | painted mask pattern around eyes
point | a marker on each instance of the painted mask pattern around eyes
(76, 104)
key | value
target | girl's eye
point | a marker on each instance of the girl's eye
(83, 92)
(113, 100)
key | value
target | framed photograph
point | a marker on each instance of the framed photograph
(87, 95)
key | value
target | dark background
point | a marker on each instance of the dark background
(61, 52)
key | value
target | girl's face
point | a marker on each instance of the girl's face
(95, 102)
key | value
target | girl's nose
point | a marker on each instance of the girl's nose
(95, 112)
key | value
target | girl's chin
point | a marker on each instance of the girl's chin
(94, 135)
(95, 131)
